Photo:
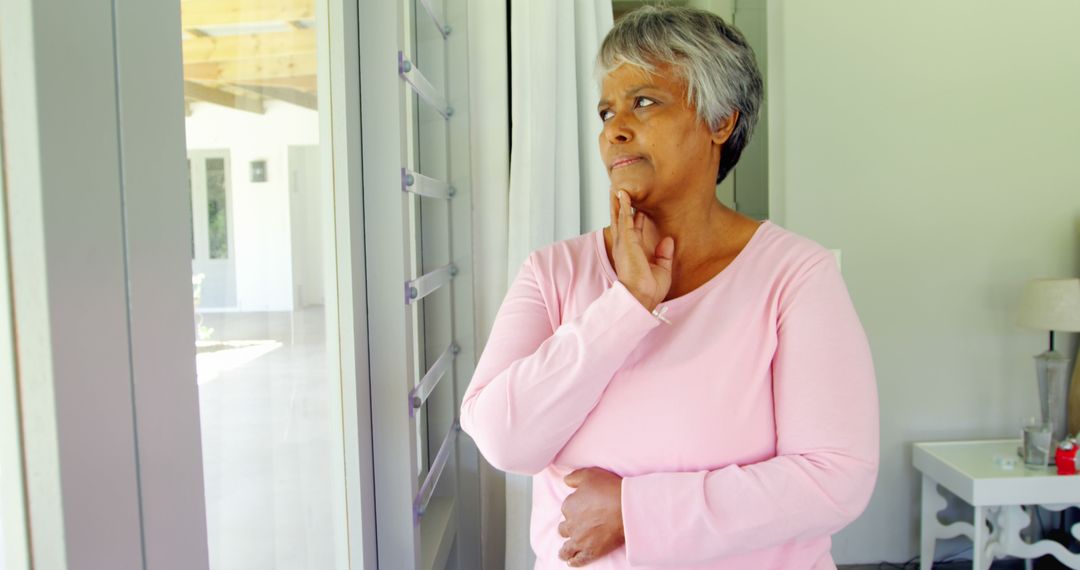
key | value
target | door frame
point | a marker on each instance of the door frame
(200, 221)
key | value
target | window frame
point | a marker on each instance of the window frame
(104, 217)
(116, 464)
(13, 538)
(69, 295)
(388, 121)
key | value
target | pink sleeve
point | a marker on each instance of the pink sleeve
(826, 411)
(533, 387)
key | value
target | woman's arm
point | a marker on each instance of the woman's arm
(533, 387)
(826, 462)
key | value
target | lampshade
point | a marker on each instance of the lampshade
(1051, 305)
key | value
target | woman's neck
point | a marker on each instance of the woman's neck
(698, 227)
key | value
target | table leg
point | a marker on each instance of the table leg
(979, 558)
(1029, 564)
(928, 524)
(1014, 519)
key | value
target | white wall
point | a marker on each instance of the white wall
(935, 143)
(260, 210)
(309, 202)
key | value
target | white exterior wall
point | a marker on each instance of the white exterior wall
(260, 210)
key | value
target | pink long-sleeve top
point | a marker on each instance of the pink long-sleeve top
(746, 430)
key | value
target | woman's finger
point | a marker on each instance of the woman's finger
(665, 252)
(564, 529)
(580, 559)
(568, 550)
(613, 205)
(626, 221)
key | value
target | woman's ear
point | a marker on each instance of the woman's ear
(723, 132)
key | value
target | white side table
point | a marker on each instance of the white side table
(969, 470)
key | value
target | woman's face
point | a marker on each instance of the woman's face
(653, 143)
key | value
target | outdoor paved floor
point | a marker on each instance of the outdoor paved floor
(271, 448)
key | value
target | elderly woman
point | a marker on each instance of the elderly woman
(689, 388)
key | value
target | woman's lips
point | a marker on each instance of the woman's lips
(625, 162)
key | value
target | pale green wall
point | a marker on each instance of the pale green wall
(751, 173)
(722, 7)
(938, 145)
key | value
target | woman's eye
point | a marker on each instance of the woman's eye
(641, 102)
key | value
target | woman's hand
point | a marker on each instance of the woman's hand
(646, 274)
(593, 514)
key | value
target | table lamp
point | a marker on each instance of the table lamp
(1052, 305)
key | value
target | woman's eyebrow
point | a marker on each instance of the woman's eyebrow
(628, 93)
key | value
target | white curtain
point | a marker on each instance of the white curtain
(558, 183)
(552, 186)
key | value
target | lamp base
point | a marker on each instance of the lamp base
(1052, 370)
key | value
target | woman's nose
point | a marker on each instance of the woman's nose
(617, 131)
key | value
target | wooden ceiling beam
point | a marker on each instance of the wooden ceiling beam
(246, 70)
(200, 92)
(299, 98)
(209, 49)
(304, 83)
(202, 13)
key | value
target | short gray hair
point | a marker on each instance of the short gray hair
(713, 57)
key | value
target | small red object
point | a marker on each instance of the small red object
(1065, 457)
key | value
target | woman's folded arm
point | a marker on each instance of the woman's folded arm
(533, 386)
(826, 412)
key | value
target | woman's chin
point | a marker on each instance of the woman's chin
(633, 185)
